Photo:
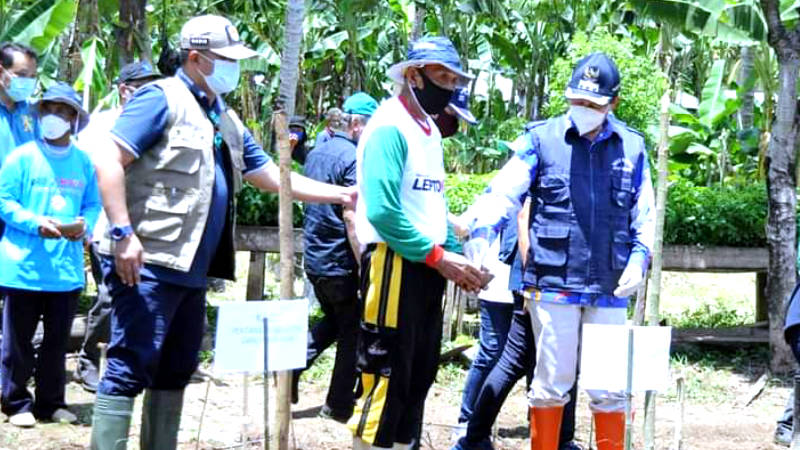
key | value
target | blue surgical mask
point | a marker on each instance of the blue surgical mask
(21, 88)
(225, 77)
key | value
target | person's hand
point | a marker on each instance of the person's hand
(475, 250)
(129, 258)
(349, 197)
(458, 269)
(76, 234)
(460, 226)
(630, 280)
(48, 228)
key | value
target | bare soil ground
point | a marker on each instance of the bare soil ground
(720, 421)
(718, 383)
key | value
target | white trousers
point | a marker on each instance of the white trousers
(557, 332)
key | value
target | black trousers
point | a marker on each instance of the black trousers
(98, 321)
(21, 313)
(398, 348)
(338, 298)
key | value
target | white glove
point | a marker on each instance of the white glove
(475, 250)
(630, 280)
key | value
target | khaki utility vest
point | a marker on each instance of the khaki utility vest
(169, 187)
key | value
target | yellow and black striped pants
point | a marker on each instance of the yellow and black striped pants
(399, 343)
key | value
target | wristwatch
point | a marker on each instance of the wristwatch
(118, 233)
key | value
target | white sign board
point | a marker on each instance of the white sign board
(604, 357)
(240, 336)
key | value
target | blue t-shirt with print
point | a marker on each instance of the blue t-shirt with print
(38, 180)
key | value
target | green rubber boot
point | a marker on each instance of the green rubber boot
(110, 422)
(161, 419)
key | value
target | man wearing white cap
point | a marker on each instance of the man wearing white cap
(168, 188)
(401, 217)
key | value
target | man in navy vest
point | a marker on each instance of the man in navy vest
(591, 234)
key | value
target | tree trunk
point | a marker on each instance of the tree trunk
(289, 73)
(745, 72)
(419, 21)
(781, 184)
(133, 37)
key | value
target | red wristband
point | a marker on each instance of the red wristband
(434, 256)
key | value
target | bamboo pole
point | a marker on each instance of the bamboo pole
(658, 247)
(280, 438)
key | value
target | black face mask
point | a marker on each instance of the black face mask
(447, 123)
(431, 97)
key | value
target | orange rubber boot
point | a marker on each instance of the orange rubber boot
(610, 428)
(545, 427)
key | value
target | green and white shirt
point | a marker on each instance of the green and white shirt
(400, 172)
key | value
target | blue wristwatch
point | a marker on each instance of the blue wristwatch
(118, 233)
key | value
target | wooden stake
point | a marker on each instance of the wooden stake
(658, 247)
(280, 438)
(629, 394)
(678, 441)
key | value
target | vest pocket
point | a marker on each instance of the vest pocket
(164, 217)
(180, 158)
(554, 189)
(621, 188)
(552, 243)
(620, 249)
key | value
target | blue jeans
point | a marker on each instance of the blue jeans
(516, 361)
(156, 332)
(495, 322)
(21, 314)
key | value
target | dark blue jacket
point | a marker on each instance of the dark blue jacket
(327, 251)
(581, 204)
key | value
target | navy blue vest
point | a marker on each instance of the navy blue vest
(580, 208)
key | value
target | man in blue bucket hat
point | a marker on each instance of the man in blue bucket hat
(49, 200)
(409, 250)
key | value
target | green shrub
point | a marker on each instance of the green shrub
(461, 189)
(715, 216)
(643, 83)
(258, 208)
(719, 215)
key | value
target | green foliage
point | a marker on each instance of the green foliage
(258, 208)
(720, 314)
(720, 215)
(479, 148)
(643, 84)
(704, 146)
(461, 190)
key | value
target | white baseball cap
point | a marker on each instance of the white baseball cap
(215, 34)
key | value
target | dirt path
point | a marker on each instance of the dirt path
(719, 424)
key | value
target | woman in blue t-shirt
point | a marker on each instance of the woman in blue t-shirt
(49, 200)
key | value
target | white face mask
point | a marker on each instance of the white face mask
(586, 119)
(53, 126)
(225, 76)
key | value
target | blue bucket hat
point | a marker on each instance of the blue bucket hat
(429, 50)
(595, 78)
(360, 103)
(63, 93)
(459, 103)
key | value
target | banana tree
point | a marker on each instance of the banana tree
(704, 146)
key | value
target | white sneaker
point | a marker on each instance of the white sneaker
(63, 415)
(24, 420)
